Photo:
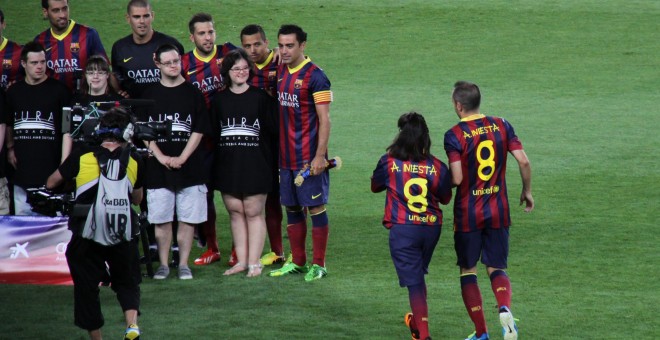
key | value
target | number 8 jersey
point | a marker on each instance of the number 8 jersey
(481, 144)
(414, 190)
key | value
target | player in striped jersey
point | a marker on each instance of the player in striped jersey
(10, 56)
(201, 67)
(416, 183)
(67, 43)
(477, 149)
(304, 95)
(253, 40)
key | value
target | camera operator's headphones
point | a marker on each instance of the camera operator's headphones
(124, 134)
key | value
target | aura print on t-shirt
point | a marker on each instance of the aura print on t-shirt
(34, 125)
(239, 131)
(180, 127)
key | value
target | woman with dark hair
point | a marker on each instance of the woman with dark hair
(243, 119)
(94, 88)
(416, 183)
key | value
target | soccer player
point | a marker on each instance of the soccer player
(10, 55)
(67, 43)
(174, 183)
(264, 76)
(477, 150)
(304, 96)
(34, 125)
(416, 183)
(201, 67)
(132, 56)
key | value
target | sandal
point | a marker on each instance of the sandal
(254, 270)
(237, 268)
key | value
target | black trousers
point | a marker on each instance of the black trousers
(87, 260)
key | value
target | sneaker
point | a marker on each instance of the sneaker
(132, 332)
(270, 259)
(233, 260)
(290, 268)
(289, 259)
(185, 273)
(153, 253)
(162, 273)
(474, 336)
(408, 319)
(315, 272)
(509, 328)
(175, 259)
(207, 257)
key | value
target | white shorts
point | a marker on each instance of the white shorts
(190, 204)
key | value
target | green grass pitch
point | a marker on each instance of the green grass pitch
(578, 80)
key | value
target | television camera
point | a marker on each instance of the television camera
(81, 121)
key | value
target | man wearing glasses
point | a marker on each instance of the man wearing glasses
(174, 182)
(132, 56)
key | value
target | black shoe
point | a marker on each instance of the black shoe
(154, 256)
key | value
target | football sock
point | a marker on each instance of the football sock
(208, 227)
(320, 231)
(473, 302)
(420, 310)
(274, 224)
(501, 285)
(297, 231)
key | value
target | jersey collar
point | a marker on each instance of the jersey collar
(267, 61)
(206, 59)
(63, 35)
(4, 43)
(472, 117)
(297, 68)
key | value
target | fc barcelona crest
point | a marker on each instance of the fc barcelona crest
(298, 84)
(272, 75)
(218, 61)
(75, 47)
(6, 64)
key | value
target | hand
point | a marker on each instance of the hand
(527, 198)
(123, 93)
(176, 162)
(11, 157)
(318, 165)
(164, 160)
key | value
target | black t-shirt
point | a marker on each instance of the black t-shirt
(3, 154)
(184, 105)
(243, 129)
(35, 113)
(133, 64)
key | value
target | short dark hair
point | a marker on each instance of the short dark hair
(230, 60)
(113, 123)
(301, 36)
(253, 29)
(413, 143)
(467, 94)
(2, 16)
(137, 3)
(199, 17)
(45, 4)
(165, 48)
(31, 46)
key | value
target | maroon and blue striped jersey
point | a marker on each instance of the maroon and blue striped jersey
(481, 144)
(415, 190)
(67, 53)
(264, 76)
(299, 90)
(205, 72)
(10, 55)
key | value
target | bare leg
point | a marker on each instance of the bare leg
(164, 239)
(234, 205)
(185, 236)
(256, 227)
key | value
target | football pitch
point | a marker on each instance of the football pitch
(578, 79)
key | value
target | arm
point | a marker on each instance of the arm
(191, 146)
(3, 127)
(526, 175)
(136, 196)
(319, 163)
(54, 180)
(67, 144)
(160, 156)
(9, 138)
(456, 173)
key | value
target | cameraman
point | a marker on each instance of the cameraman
(86, 258)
